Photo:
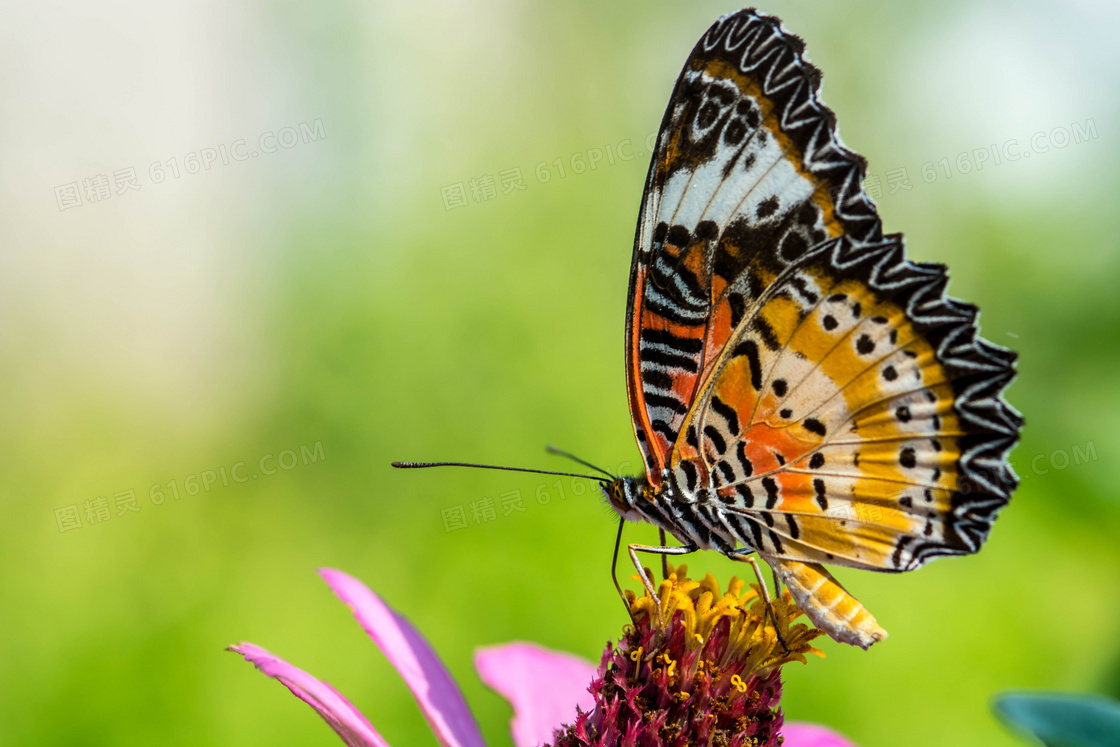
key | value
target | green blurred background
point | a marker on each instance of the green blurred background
(331, 296)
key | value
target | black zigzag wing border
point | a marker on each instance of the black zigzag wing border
(759, 46)
(980, 372)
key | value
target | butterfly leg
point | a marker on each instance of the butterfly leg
(614, 564)
(646, 581)
(664, 558)
(765, 591)
(828, 604)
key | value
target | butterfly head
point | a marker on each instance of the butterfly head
(623, 493)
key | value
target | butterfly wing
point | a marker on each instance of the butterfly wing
(817, 393)
(855, 417)
(784, 357)
(748, 173)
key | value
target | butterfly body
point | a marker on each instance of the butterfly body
(798, 388)
(672, 508)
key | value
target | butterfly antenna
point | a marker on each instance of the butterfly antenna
(560, 452)
(419, 465)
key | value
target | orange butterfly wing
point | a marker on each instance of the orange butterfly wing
(834, 404)
(728, 189)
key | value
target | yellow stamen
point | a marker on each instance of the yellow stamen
(751, 637)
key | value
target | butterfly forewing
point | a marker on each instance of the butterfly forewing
(818, 395)
(748, 174)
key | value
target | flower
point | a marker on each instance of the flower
(709, 674)
(546, 688)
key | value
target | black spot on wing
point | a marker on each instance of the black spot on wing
(727, 471)
(678, 236)
(738, 308)
(668, 401)
(793, 246)
(715, 438)
(657, 379)
(668, 360)
(803, 288)
(684, 345)
(727, 413)
(766, 333)
(820, 489)
(777, 541)
(691, 474)
(814, 426)
(744, 463)
(771, 488)
(660, 426)
(750, 349)
(767, 207)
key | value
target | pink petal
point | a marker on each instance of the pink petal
(811, 735)
(430, 682)
(543, 686)
(344, 718)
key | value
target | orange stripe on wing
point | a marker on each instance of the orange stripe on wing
(634, 384)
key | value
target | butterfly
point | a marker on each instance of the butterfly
(799, 390)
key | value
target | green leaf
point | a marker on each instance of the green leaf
(1061, 720)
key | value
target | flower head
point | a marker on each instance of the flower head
(709, 675)
(710, 649)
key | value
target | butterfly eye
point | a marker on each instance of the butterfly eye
(617, 497)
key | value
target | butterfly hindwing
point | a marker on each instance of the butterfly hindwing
(854, 417)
